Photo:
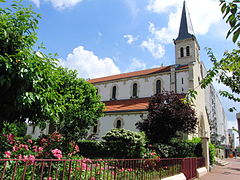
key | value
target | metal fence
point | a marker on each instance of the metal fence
(86, 169)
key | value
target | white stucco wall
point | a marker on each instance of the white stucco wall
(108, 122)
(146, 87)
(182, 82)
(36, 132)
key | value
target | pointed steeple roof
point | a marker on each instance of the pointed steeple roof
(186, 28)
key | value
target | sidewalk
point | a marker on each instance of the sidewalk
(228, 172)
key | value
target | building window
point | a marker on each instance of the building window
(182, 80)
(119, 124)
(199, 80)
(97, 91)
(114, 92)
(95, 128)
(181, 52)
(33, 129)
(188, 51)
(135, 88)
(158, 86)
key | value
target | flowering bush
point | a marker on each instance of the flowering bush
(50, 146)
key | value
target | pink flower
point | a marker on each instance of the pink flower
(40, 149)
(30, 141)
(26, 147)
(130, 169)
(7, 154)
(43, 140)
(49, 178)
(20, 156)
(57, 153)
(31, 158)
(153, 154)
(15, 148)
(84, 166)
(122, 169)
(76, 148)
(10, 137)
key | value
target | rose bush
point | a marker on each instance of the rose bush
(50, 146)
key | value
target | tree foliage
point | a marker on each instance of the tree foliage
(167, 115)
(21, 68)
(33, 86)
(81, 105)
(231, 13)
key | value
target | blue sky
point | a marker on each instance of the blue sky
(105, 37)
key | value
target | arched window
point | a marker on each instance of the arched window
(188, 51)
(119, 124)
(135, 86)
(114, 92)
(181, 52)
(158, 86)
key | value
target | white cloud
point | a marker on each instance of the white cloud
(132, 6)
(136, 65)
(63, 4)
(155, 48)
(59, 4)
(161, 6)
(204, 13)
(89, 65)
(130, 38)
(36, 2)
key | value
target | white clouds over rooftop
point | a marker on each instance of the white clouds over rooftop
(136, 65)
(89, 65)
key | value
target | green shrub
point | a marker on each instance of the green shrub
(122, 143)
(178, 148)
(164, 150)
(92, 149)
(212, 153)
(198, 146)
(184, 149)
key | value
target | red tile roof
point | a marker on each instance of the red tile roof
(131, 74)
(127, 105)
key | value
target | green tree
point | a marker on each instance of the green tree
(34, 87)
(81, 105)
(23, 70)
(167, 115)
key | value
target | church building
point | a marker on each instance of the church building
(126, 96)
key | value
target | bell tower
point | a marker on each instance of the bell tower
(186, 44)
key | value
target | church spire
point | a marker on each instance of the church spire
(186, 28)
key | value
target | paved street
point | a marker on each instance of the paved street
(228, 172)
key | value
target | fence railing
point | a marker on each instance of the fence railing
(86, 169)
